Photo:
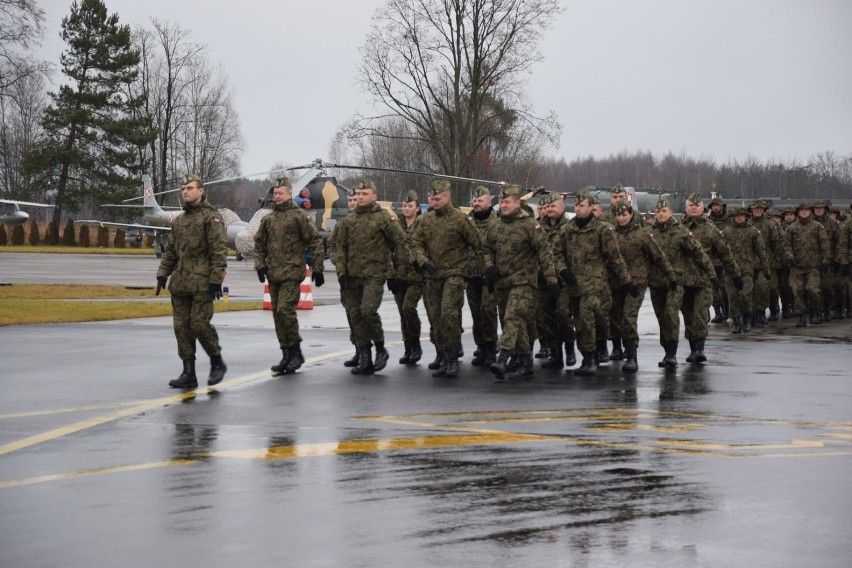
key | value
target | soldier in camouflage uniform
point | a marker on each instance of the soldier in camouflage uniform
(365, 247)
(195, 258)
(331, 244)
(808, 253)
(616, 195)
(510, 248)
(748, 247)
(764, 288)
(828, 282)
(442, 244)
(582, 251)
(841, 260)
(698, 298)
(718, 215)
(279, 256)
(639, 249)
(407, 288)
(482, 303)
(694, 270)
(783, 273)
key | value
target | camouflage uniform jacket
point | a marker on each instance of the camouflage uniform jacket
(807, 244)
(516, 245)
(640, 249)
(196, 251)
(331, 245)
(447, 238)
(721, 220)
(367, 243)
(692, 265)
(476, 267)
(405, 270)
(832, 230)
(844, 246)
(713, 243)
(747, 245)
(772, 240)
(281, 241)
(586, 252)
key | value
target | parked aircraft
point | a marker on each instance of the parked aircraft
(16, 216)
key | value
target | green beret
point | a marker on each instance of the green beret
(410, 196)
(439, 185)
(662, 203)
(740, 211)
(480, 191)
(366, 183)
(758, 203)
(189, 178)
(695, 198)
(618, 189)
(622, 207)
(282, 181)
(820, 203)
(510, 190)
(549, 198)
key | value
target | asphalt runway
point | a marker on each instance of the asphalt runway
(744, 461)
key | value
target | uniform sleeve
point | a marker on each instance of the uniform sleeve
(762, 257)
(698, 256)
(657, 255)
(260, 244)
(609, 245)
(397, 238)
(331, 244)
(824, 245)
(311, 237)
(559, 251)
(546, 262)
(418, 240)
(473, 238)
(167, 265)
(217, 248)
(723, 251)
(842, 257)
(489, 256)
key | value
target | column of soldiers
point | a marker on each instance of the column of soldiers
(553, 279)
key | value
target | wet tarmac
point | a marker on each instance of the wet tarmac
(744, 461)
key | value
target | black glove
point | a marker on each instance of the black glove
(476, 282)
(673, 285)
(631, 289)
(161, 283)
(554, 290)
(261, 274)
(215, 291)
(393, 286)
(845, 270)
(568, 277)
(341, 278)
(430, 267)
(492, 274)
(417, 268)
(318, 278)
(739, 283)
(791, 263)
(823, 267)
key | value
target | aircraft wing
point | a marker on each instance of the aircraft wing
(27, 203)
(125, 225)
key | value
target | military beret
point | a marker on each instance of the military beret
(618, 189)
(662, 203)
(439, 185)
(803, 205)
(509, 191)
(189, 178)
(282, 181)
(366, 183)
(480, 191)
(549, 198)
(582, 194)
(758, 203)
(622, 208)
(820, 203)
(593, 199)
(775, 213)
(695, 198)
(740, 211)
(410, 196)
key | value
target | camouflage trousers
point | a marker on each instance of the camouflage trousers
(483, 310)
(515, 306)
(565, 317)
(547, 318)
(762, 290)
(444, 299)
(695, 307)
(836, 284)
(624, 315)
(589, 317)
(343, 299)
(741, 300)
(285, 296)
(784, 289)
(720, 293)
(363, 298)
(406, 303)
(191, 318)
(805, 283)
(666, 304)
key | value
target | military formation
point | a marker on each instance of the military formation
(568, 283)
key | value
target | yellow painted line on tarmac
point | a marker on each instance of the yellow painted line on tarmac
(91, 472)
(51, 412)
(144, 406)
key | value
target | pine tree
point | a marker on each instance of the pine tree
(34, 235)
(90, 138)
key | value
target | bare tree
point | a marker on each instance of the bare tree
(21, 29)
(20, 130)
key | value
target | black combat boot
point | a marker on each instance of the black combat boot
(756, 317)
(525, 370)
(438, 362)
(543, 351)
(451, 369)
(746, 323)
(601, 352)
(365, 362)
(555, 361)
(416, 352)
(670, 360)
(738, 326)
(631, 365)
(460, 352)
(803, 320)
(217, 370)
(570, 354)
(382, 357)
(774, 310)
(348, 363)
(406, 356)
(587, 367)
(285, 357)
(700, 357)
(617, 354)
(815, 318)
(725, 312)
(717, 315)
(826, 315)
(498, 367)
(296, 359)
(478, 356)
(187, 379)
(691, 357)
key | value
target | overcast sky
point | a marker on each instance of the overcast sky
(721, 79)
